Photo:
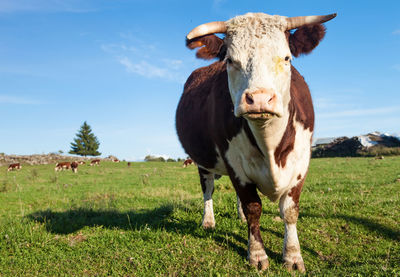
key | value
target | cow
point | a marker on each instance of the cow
(62, 166)
(81, 162)
(129, 164)
(15, 166)
(74, 166)
(115, 160)
(95, 162)
(250, 116)
(187, 162)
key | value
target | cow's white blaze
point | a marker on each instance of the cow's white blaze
(258, 57)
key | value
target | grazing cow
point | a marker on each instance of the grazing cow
(81, 162)
(250, 116)
(115, 161)
(74, 166)
(16, 166)
(129, 164)
(62, 166)
(187, 162)
(95, 162)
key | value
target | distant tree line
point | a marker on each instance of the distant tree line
(151, 158)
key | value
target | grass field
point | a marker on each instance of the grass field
(145, 220)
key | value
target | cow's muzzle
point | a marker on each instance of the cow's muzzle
(259, 104)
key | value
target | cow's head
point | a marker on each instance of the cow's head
(258, 50)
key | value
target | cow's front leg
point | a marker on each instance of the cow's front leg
(207, 185)
(289, 210)
(240, 212)
(251, 204)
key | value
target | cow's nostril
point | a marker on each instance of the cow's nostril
(249, 99)
(271, 99)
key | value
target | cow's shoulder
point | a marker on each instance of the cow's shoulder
(301, 99)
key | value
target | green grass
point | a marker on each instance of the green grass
(145, 220)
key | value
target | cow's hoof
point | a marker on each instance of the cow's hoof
(208, 224)
(295, 264)
(259, 261)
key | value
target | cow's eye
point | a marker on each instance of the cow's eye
(287, 58)
(228, 61)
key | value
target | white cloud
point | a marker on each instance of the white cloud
(324, 103)
(396, 32)
(174, 64)
(143, 58)
(218, 3)
(360, 112)
(115, 48)
(145, 69)
(397, 67)
(338, 98)
(6, 99)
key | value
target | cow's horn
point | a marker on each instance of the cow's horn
(296, 22)
(207, 28)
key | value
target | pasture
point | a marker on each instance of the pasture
(145, 220)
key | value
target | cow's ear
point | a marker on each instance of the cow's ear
(305, 39)
(211, 47)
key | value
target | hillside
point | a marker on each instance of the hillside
(372, 144)
(37, 159)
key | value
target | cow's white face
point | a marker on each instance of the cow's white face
(258, 65)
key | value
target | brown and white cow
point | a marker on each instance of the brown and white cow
(74, 166)
(15, 166)
(115, 161)
(95, 162)
(81, 162)
(250, 116)
(62, 166)
(187, 162)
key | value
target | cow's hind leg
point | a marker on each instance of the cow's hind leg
(251, 204)
(289, 210)
(207, 185)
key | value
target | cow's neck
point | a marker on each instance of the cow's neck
(268, 135)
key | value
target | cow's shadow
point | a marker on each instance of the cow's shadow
(67, 222)
(71, 221)
(371, 225)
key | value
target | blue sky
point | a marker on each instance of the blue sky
(121, 64)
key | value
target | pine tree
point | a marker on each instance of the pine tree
(85, 143)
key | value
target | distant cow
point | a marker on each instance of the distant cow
(115, 161)
(187, 162)
(95, 162)
(16, 166)
(250, 116)
(62, 166)
(129, 164)
(81, 162)
(74, 167)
